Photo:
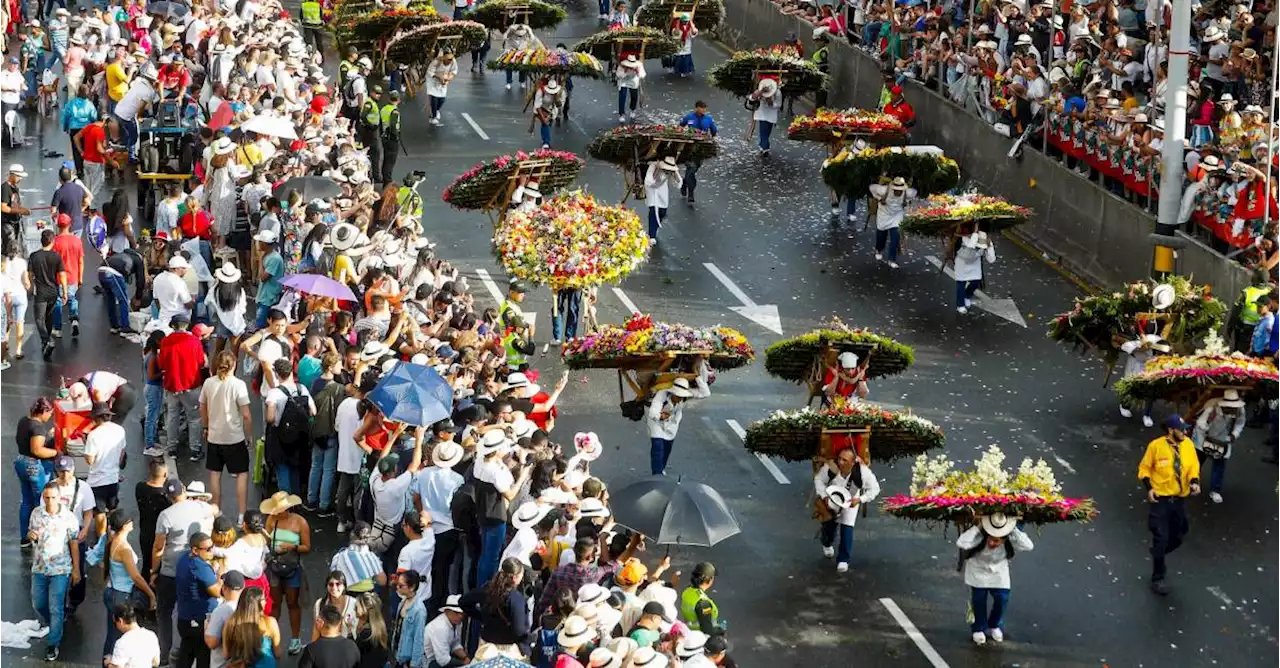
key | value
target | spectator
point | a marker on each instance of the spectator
(198, 589)
(70, 248)
(188, 515)
(136, 647)
(182, 360)
(224, 409)
(48, 277)
(54, 532)
(232, 586)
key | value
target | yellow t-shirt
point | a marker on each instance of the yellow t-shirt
(248, 155)
(341, 264)
(1129, 104)
(117, 82)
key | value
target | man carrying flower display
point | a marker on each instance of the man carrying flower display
(845, 378)
(665, 412)
(891, 201)
(842, 486)
(698, 119)
(1170, 470)
(985, 552)
(547, 104)
(629, 74)
(658, 193)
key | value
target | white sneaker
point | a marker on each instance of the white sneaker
(879, 256)
(622, 118)
(546, 146)
(893, 265)
(829, 552)
(342, 526)
(997, 635)
(1147, 422)
(968, 302)
(523, 85)
(435, 120)
(979, 638)
(1215, 497)
(842, 567)
(57, 333)
(1125, 412)
(508, 86)
(631, 117)
(852, 219)
(153, 451)
(961, 310)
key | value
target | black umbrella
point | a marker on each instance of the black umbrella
(310, 187)
(673, 512)
(168, 9)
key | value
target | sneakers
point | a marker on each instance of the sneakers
(196, 456)
(57, 333)
(342, 526)
(1125, 412)
(997, 635)
(309, 507)
(622, 118)
(546, 146)
(75, 328)
(852, 219)
(114, 330)
(979, 638)
(828, 551)
(295, 647)
(1215, 497)
(631, 117)
(968, 302)
(523, 85)
(1147, 422)
(879, 257)
(893, 265)
(51, 654)
(435, 120)
(5, 365)
(508, 86)
(325, 512)
(47, 351)
(1159, 587)
(961, 310)
(153, 451)
(842, 567)
(26, 543)
(554, 342)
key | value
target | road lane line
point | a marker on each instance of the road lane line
(914, 633)
(626, 301)
(729, 284)
(768, 463)
(494, 292)
(474, 126)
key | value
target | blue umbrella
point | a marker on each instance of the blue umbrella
(413, 394)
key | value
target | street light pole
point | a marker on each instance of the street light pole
(1175, 132)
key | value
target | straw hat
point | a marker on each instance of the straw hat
(227, 273)
(1231, 399)
(552, 87)
(767, 87)
(446, 454)
(278, 503)
(999, 525)
(669, 163)
(631, 61)
(575, 632)
(529, 514)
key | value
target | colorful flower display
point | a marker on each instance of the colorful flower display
(853, 172)
(1099, 321)
(658, 14)
(498, 14)
(1167, 376)
(607, 44)
(796, 435)
(941, 493)
(484, 185)
(549, 61)
(624, 144)
(794, 359)
(738, 74)
(380, 23)
(571, 241)
(419, 43)
(835, 125)
(614, 346)
(940, 214)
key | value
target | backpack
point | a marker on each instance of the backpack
(324, 266)
(294, 425)
(97, 231)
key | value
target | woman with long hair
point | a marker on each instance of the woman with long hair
(34, 463)
(229, 305)
(388, 206)
(14, 265)
(220, 189)
(503, 610)
(119, 221)
(124, 583)
(251, 637)
(248, 554)
(313, 248)
(152, 393)
(335, 587)
(371, 631)
(223, 536)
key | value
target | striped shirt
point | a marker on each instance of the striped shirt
(359, 565)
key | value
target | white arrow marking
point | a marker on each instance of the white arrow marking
(768, 463)
(474, 126)
(764, 315)
(492, 287)
(626, 301)
(1001, 308)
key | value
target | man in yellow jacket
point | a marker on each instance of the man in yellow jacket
(1170, 471)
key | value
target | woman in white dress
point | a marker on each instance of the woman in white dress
(220, 191)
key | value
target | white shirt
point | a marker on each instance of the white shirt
(347, 420)
(989, 569)
(140, 91)
(389, 498)
(656, 190)
(103, 384)
(768, 109)
(440, 639)
(969, 262)
(12, 84)
(629, 77)
(137, 648)
(171, 293)
(233, 320)
(416, 555)
(276, 398)
(104, 443)
(195, 30)
(269, 350)
(522, 545)
(668, 428)
(77, 498)
(436, 486)
(893, 208)
(829, 475)
(247, 558)
(495, 473)
(439, 69)
(222, 400)
(1219, 51)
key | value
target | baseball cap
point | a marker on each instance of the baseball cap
(174, 488)
(63, 463)
(63, 220)
(233, 580)
(1175, 422)
(716, 645)
(656, 608)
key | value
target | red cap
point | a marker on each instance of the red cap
(896, 90)
(318, 104)
(64, 220)
(202, 330)
(162, 235)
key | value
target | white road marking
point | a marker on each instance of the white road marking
(1001, 308)
(768, 463)
(626, 301)
(1064, 464)
(474, 126)
(765, 315)
(914, 633)
(492, 287)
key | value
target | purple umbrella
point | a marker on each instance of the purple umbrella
(320, 286)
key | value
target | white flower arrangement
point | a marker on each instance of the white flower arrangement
(929, 473)
(990, 469)
(1037, 477)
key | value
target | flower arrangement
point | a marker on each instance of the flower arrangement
(835, 125)
(658, 14)
(623, 144)
(571, 241)
(549, 61)
(1099, 320)
(1168, 376)
(796, 435)
(738, 74)
(853, 172)
(615, 346)
(605, 44)
(940, 214)
(794, 359)
(418, 44)
(483, 185)
(941, 493)
(380, 23)
(494, 14)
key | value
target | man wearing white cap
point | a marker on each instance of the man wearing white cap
(169, 289)
(971, 251)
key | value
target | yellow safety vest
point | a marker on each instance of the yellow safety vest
(344, 70)
(1249, 309)
(372, 117)
(311, 13)
(515, 358)
(390, 121)
(409, 201)
(689, 599)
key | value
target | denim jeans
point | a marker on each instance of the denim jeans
(129, 135)
(845, 552)
(153, 400)
(49, 598)
(623, 93)
(684, 64)
(187, 404)
(657, 216)
(1215, 475)
(260, 320)
(567, 313)
(659, 453)
(111, 598)
(604, 7)
(33, 475)
(71, 303)
(287, 477)
(893, 236)
(544, 131)
(766, 131)
(965, 290)
(492, 540)
(324, 464)
(982, 619)
(870, 32)
(690, 178)
(511, 75)
(436, 103)
(115, 289)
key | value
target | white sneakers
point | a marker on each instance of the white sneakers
(979, 638)
(1215, 497)
(879, 256)
(1146, 421)
(435, 120)
(961, 310)
(842, 567)
(508, 86)
(1125, 412)
(622, 118)
(968, 302)
(893, 265)
(829, 552)
(997, 635)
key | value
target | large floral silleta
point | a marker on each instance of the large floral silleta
(615, 347)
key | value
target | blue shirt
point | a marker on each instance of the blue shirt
(271, 289)
(705, 123)
(192, 578)
(1074, 103)
(78, 113)
(1264, 333)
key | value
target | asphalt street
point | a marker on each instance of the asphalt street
(1079, 599)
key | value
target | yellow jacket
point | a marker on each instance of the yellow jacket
(1157, 467)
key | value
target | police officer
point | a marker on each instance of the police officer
(408, 199)
(369, 124)
(510, 306)
(347, 66)
(313, 25)
(390, 117)
(822, 58)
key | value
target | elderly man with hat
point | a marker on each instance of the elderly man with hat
(985, 551)
(767, 99)
(1170, 471)
(519, 36)
(892, 201)
(971, 251)
(548, 103)
(657, 181)
(1217, 427)
(13, 86)
(841, 486)
(665, 412)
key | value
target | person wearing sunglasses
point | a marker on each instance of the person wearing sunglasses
(198, 590)
(335, 595)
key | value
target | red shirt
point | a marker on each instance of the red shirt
(91, 135)
(843, 388)
(182, 361)
(195, 224)
(171, 78)
(544, 418)
(71, 249)
(901, 111)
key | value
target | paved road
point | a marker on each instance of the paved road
(1080, 599)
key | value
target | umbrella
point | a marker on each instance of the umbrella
(272, 126)
(310, 187)
(168, 9)
(413, 394)
(319, 285)
(499, 662)
(674, 512)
